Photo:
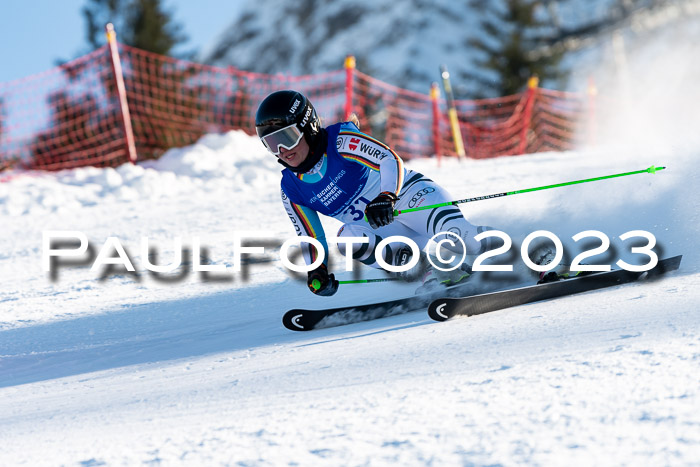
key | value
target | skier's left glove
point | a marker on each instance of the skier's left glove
(322, 283)
(380, 211)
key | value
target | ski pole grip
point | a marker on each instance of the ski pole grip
(316, 284)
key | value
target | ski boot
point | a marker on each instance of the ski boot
(544, 257)
(434, 279)
(553, 276)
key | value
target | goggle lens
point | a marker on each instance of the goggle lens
(287, 138)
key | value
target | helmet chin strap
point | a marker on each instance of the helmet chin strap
(316, 150)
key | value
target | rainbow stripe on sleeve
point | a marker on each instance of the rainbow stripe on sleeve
(306, 224)
(361, 160)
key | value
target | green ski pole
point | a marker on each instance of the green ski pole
(316, 284)
(650, 170)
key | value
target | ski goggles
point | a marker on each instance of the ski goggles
(287, 137)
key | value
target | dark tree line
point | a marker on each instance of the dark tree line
(143, 24)
(522, 38)
(512, 30)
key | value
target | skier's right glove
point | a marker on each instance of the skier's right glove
(322, 283)
(380, 211)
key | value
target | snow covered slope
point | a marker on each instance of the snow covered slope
(136, 369)
(185, 369)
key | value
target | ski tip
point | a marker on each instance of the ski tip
(294, 320)
(439, 310)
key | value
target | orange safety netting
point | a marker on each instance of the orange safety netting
(400, 118)
(71, 116)
(504, 126)
(61, 118)
(174, 102)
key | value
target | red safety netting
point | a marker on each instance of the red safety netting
(174, 102)
(400, 118)
(558, 121)
(533, 121)
(491, 127)
(70, 116)
(61, 118)
(74, 115)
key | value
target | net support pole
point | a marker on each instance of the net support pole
(592, 120)
(532, 84)
(349, 75)
(435, 100)
(121, 91)
(452, 112)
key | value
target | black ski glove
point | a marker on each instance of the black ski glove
(380, 211)
(322, 283)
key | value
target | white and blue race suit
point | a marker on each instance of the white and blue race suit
(354, 170)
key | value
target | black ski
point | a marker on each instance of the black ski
(445, 308)
(306, 320)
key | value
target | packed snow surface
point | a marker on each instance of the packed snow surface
(184, 368)
(115, 367)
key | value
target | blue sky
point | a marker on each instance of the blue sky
(36, 33)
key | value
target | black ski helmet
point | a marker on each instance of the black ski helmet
(283, 108)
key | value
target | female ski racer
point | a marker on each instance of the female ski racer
(343, 173)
